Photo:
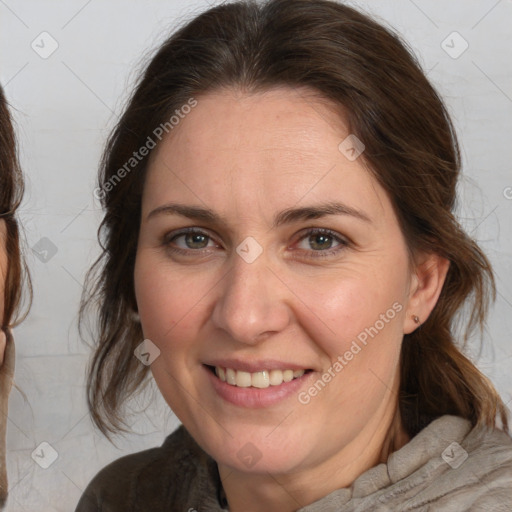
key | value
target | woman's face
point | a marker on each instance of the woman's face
(235, 270)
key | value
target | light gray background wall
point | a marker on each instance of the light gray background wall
(65, 103)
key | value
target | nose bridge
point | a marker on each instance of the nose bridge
(251, 301)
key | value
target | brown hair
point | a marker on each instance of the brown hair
(411, 149)
(11, 195)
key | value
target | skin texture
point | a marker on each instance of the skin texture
(247, 157)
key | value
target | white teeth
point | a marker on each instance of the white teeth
(276, 377)
(243, 379)
(288, 375)
(220, 373)
(262, 379)
(231, 376)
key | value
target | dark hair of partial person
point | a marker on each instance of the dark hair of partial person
(11, 194)
(374, 81)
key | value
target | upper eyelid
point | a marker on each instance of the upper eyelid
(172, 235)
(306, 231)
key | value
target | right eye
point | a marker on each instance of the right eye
(192, 240)
(188, 241)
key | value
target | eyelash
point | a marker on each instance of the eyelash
(343, 243)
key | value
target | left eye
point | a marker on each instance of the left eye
(320, 241)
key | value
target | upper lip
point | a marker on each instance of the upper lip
(256, 365)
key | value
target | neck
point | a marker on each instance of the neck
(250, 492)
(396, 437)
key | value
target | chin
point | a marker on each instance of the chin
(259, 452)
(249, 459)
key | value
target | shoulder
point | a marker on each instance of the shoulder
(489, 468)
(450, 465)
(144, 477)
(477, 472)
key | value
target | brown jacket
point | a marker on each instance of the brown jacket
(447, 467)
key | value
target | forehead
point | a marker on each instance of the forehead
(231, 120)
(261, 149)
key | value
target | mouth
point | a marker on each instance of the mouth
(261, 379)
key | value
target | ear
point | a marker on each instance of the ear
(427, 282)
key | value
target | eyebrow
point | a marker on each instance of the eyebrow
(287, 216)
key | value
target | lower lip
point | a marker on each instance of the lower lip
(256, 397)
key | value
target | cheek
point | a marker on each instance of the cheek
(357, 323)
(362, 345)
(350, 303)
(169, 302)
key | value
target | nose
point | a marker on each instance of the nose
(253, 303)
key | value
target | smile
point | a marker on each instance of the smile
(256, 388)
(261, 379)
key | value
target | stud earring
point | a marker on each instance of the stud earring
(416, 319)
(135, 316)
